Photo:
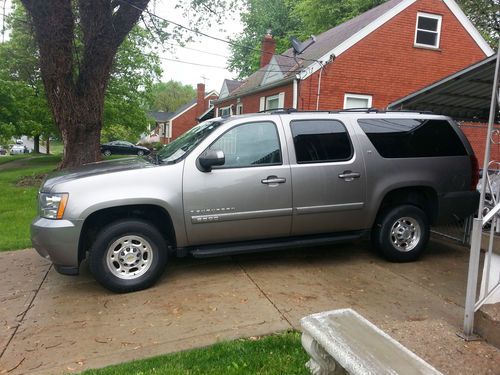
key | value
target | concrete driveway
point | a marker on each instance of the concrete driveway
(54, 324)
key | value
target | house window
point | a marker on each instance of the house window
(428, 30)
(225, 111)
(211, 103)
(272, 102)
(239, 109)
(357, 101)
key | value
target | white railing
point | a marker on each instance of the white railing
(489, 285)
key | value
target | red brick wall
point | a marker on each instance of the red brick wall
(251, 103)
(386, 65)
(476, 134)
(188, 119)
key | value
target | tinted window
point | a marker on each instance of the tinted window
(248, 145)
(320, 141)
(412, 138)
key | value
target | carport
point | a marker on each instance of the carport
(470, 95)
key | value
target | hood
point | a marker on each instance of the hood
(93, 169)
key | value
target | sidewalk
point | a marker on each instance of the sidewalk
(54, 323)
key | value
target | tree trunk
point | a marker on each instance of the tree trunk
(47, 146)
(36, 144)
(75, 86)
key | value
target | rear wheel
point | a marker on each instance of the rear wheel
(140, 153)
(401, 233)
(128, 255)
(107, 153)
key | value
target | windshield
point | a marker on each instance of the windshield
(176, 150)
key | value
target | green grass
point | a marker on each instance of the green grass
(56, 147)
(277, 354)
(18, 204)
(9, 158)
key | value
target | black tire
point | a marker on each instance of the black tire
(401, 233)
(107, 153)
(140, 153)
(139, 256)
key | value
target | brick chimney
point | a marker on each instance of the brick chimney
(200, 99)
(268, 49)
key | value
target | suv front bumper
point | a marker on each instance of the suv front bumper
(57, 241)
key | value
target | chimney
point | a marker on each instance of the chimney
(268, 49)
(200, 99)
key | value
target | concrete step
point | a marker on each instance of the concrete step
(487, 323)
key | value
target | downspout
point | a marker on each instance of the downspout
(295, 94)
(319, 87)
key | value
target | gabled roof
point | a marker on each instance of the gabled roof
(186, 107)
(339, 39)
(161, 116)
(232, 84)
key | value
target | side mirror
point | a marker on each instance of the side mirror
(210, 158)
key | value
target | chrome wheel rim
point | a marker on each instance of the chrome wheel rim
(129, 257)
(107, 153)
(140, 153)
(405, 234)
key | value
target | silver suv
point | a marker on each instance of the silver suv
(260, 182)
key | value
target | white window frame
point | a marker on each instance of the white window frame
(211, 103)
(437, 17)
(272, 97)
(358, 96)
(222, 109)
(239, 108)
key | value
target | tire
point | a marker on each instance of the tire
(128, 255)
(140, 153)
(107, 153)
(401, 233)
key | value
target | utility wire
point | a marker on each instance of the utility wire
(208, 35)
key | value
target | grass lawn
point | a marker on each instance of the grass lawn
(277, 354)
(18, 203)
(9, 158)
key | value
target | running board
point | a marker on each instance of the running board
(208, 251)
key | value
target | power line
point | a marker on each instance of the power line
(208, 35)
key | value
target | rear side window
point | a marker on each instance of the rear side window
(320, 141)
(413, 138)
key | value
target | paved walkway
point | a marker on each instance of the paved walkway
(53, 323)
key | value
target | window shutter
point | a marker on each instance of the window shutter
(262, 105)
(281, 100)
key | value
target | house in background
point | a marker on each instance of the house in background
(170, 125)
(369, 61)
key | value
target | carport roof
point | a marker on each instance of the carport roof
(465, 95)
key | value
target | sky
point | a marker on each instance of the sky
(192, 74)
(182, 71)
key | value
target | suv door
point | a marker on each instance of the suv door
(328, 177)
(247, 198)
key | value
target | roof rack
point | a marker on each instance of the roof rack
(279, 111)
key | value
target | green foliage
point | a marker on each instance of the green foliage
(277, 354)
(23, 104)
(260, 17)
(485, 15)
(169, 96)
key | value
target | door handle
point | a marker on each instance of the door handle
(349, 175)
(273, 180)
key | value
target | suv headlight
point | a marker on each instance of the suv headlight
(52, 206)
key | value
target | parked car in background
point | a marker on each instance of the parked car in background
(123, 148)
(17, 149)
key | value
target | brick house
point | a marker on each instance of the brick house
(369, 61)
(170, 125)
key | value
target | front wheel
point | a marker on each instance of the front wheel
(107, 152)
(401, 233)
(140, 153)
(128, 255)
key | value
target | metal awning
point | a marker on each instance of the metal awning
(465, 95)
